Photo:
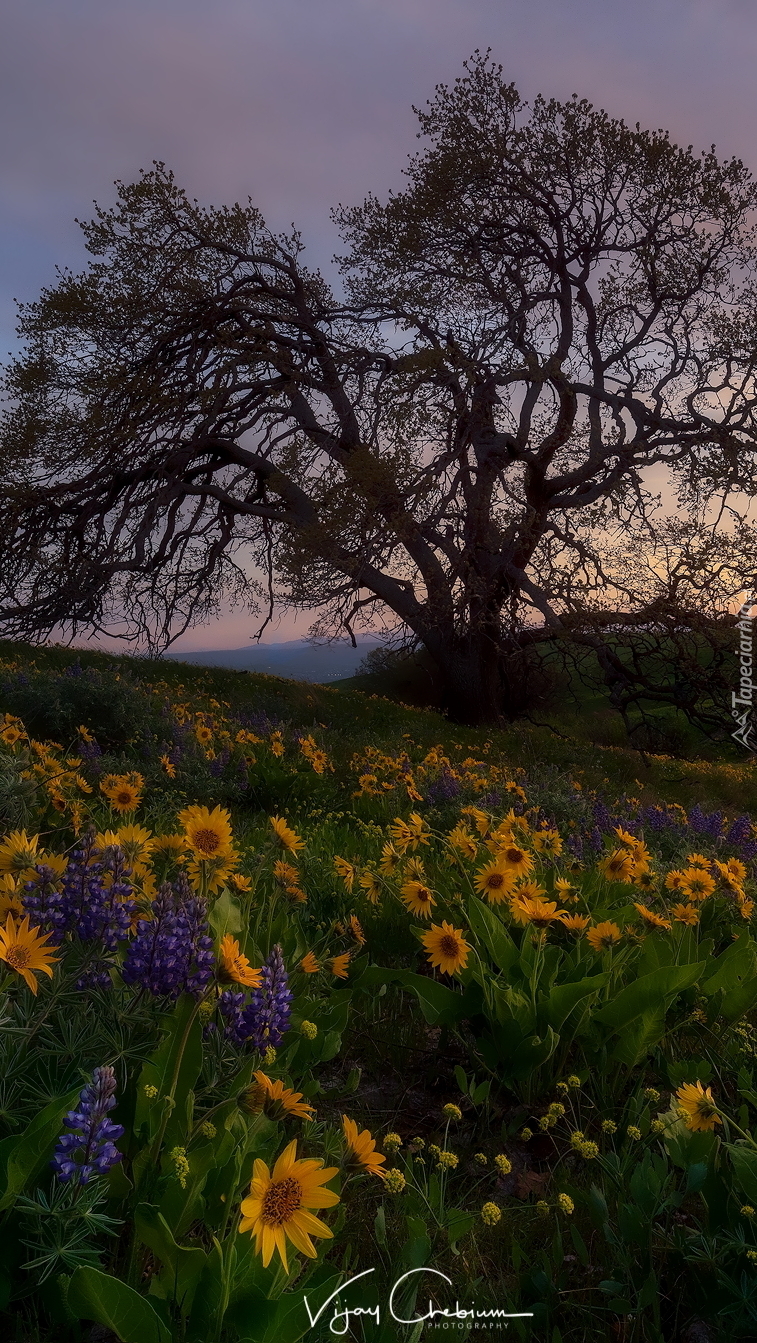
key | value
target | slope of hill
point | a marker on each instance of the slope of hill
(295, 658)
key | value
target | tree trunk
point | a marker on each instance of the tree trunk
(473, 691)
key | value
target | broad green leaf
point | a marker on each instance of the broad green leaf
(565, 997)
(225, 917)
(28, 1154)
(736, 965)
(178, 1057)
(97, 1296)
(649, 993)
(183, 1265)
(492, 932)
(744, 1163)
(639, 1037)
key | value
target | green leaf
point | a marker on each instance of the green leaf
(441, 1006)
(32, 1149)
(565, 998)
(178, 1055)
(648, 993)
(461, 1079)
(225, 918)
(183, 1265)
(97, 1296)
(744, 1163)
(491, 931)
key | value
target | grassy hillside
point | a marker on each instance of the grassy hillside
(485, 1001)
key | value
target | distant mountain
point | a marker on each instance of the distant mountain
(296, 659)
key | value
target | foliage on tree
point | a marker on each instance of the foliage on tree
(526, 421)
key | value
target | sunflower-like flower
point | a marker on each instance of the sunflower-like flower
(354, 926)
(309, 964)
(208, 833)
(273, 1099)
(462, 841)
(515, 859)
(278, 1206)
(123, 791)
(346, 871)
(696, 884)
(284, 874)
(288, 838)
(418, 898)
(361, 1150)
(495, 882)
(617, 866)
(19, 852)
(10, 898)
(687, 914)
(338, 964)
(651, 919)
(137, 844)
(674, 880)
(372, 886)
(604, 935)
(531, 909)
(390, 859)
(730, 875)
(447, 949)
(696, 1103)
(233, 967)
(24, 950)
(547, 841)
(575, 923)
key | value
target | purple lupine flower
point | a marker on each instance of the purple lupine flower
(218, 765)
(88, 1149)
(96, 902)
(231, 1004)
(444, 789)
(740, 831)
(172, 952)
(491, 801)
(266, 1018)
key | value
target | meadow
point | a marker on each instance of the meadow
(303, 988)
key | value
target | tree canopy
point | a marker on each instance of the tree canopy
(523, 418)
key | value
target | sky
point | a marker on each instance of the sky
(305, 104)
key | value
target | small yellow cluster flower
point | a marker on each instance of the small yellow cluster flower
(589, 1150)
(652, 1095)
(657, 1126)
(434, 1150)
(451, 1111)
(574, 1081)
(525, 1135)
(563, 1088)
(503, 1163)
(542, 1208)
(150, 1091)
(416, 1145)
(577, 1138)
(565, 1204)
(206, 1009)
(309, 1030)
(752, 1256)
(180, 1165)
(208, 1130)
(392, 1142)
(269, 1057)
(633, 1132)
(448, 1160)
(394, 1181)
(491, 1214)
(747, 1210)
(609, 1126)
(557, 1109)
(481, 1158)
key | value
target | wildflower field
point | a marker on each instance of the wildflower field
(303, 990)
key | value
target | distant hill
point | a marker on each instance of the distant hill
(295, 659)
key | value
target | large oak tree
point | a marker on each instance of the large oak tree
(553, 322)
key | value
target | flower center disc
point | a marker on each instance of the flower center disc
(282, 1200)
(207, 840)
(449, 945)
(18, 957)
